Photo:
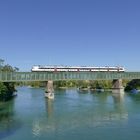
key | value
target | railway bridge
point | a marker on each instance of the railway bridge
(116, 77)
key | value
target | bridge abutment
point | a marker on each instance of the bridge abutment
(117, 86)
(49, 93)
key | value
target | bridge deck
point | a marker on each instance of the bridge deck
(55, 76)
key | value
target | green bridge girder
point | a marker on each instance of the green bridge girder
(55, 76)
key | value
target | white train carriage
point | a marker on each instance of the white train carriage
(51, 68)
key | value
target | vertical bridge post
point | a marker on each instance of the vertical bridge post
(117, 86)
(49, 93)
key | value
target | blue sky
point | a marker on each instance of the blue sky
(70, 32)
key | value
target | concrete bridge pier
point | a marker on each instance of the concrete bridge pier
(117, 86)
(49, 93)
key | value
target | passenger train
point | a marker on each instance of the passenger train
(51, 68)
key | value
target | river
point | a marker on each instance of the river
(72, 115)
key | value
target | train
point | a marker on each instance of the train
(56, 68)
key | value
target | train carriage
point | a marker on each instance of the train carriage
(51, 68)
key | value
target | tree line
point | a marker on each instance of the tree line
(82, 84)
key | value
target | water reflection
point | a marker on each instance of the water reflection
(47, 123)
(83, 91)
(36, 130)
(8, 124)
(119, 106)
(49, 107)
(101, 110)
(134, 97)
(60, 91)
(102, 98)
(69, 116)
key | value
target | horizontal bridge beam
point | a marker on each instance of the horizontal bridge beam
(55, 76)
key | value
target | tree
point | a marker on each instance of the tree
(3, 91)
(7, 68)
(16, 69)
(1, 63)
(133, 84)
(6, 89)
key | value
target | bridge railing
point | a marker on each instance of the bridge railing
(45, 76)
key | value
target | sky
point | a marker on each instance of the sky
(70, 32)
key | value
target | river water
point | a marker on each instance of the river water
(72, 115)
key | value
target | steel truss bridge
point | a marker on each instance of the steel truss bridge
(56, 76)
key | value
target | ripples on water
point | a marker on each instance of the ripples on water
(71, 115)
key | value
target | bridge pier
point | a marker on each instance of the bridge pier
(117, 86)
(49, 93)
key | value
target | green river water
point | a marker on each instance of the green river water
(72, 115)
